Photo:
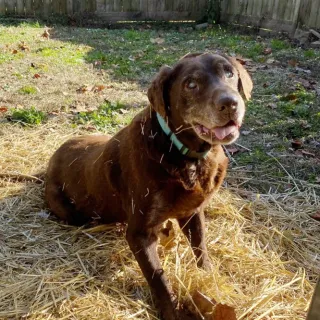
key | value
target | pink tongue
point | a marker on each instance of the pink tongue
(222, 132)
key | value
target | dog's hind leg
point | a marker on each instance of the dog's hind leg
(61, 206)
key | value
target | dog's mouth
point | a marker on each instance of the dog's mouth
(223, 133)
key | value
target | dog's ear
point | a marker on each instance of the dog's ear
(156, 91)
(245, 84)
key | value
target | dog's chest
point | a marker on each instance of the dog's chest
(179, 201)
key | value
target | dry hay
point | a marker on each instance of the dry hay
(264, 251)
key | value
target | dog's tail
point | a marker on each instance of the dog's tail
(19, 177)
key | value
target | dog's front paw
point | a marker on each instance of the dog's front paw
(205, 264)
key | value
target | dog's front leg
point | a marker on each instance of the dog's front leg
(194, 229)
(144, 247)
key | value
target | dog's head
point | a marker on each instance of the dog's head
(203, 94)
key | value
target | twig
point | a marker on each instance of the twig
(229, 155)
(284, 169)
(19, 177)
(243, 147)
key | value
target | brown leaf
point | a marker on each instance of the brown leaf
(46, 34)
(36, 76)
(293, 63)
(23, 46)
(267, 51)
(296, 144)
(224, 312)
(84, 89)
(316, 216)
(232, 149)
(14, 51)
(203, 303)
(3, 109)
(98, 88)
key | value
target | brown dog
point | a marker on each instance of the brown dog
(165, 164)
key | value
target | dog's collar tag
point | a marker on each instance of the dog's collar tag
(178, 144)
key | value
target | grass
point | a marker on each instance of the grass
(109, 116)
(28, 116)
(262, 242)
(28, 90)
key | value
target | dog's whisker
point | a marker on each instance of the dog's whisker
(141, 212)
(177, 129)
(161, 158)
(148, 191)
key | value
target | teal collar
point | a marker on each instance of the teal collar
(178, 144)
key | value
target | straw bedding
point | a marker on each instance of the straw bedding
(264, 250)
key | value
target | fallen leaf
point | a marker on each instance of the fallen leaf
(98, 88)
(245, 132)
(316, 216)
(3, 109)
(252, 69)
(14, 51)
(123, 111)
(296, 144)
(289, 97)
(270, 61)
(36, 76)
(224, 312)
(23, 46)
(157, 40)
(293, 63)
(232, 149)
(203, 303)
(84, 89)
(267, 51)
(46, 34)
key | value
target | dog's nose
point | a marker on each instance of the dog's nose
(227, 103)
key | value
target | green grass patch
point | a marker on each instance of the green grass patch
(28, 90)
(109, 115)
(30, 116)
(293, 115)
(277, 45)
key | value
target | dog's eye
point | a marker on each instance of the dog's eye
(191, 85)
(229, 74)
